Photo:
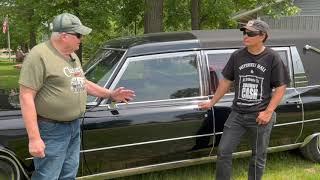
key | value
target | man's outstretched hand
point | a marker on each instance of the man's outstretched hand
(122, 95)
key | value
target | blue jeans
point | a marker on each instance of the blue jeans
(235, 126)
(62, 151)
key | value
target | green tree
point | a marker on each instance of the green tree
(30, 19)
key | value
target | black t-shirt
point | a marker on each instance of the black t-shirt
(254, 78)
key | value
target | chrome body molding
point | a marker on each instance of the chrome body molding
(308, 139)
(143, 143)
(181, 138)
(311, 120)
(177, 164)
(12, 158)
(188, 137)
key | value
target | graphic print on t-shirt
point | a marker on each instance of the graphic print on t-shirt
(77, 82)
(250, 90)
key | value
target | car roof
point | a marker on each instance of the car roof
(216, 39)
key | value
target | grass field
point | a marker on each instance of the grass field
(280, 166)
(8, 75)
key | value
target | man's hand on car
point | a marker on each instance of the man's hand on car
(122, 95)
(205, 104)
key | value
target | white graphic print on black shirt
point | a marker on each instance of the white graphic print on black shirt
(254, 77)
(250, 90)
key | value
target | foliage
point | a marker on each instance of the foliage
(8, 75)
(282, 9)
(30, 19)
(177, 15)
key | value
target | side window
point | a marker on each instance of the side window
(217, 61)
(159, 77)
(286, 59)
(284, 56)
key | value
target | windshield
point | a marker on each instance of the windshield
(100, 68)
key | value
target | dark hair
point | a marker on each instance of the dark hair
(266, 36)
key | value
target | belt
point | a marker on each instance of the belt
(40, 118)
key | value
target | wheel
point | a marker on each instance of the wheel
(312, 150)
(8, 169)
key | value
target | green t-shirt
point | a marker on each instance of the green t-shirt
(60, 83)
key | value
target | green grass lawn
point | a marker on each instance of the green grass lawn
(8, 75)
(280, 166)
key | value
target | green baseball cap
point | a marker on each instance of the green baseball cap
(69, 23)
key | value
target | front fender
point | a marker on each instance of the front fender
(9, 155)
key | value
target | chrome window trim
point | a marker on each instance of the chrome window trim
(305, 87)
(115, 49)
(123, 56)
(299, 68)
(301, 82)
(163, 100)
(112, 74)
(289, 62)
(300, 77)
(190, 98)
(199, 68)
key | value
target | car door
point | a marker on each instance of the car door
(288, 127)
(161, 125)
(289, 112)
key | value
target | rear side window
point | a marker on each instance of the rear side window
(217, 59)
(284, 56)
(160, 77)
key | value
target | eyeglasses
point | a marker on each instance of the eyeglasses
(79, 36)
(251, 33)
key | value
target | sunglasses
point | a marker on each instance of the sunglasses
(79, 36)
(251, 33)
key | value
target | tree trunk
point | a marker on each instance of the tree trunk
(195, 14)
(32, 37)
(153, 15)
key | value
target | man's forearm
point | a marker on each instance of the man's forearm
(29, 116)
(96, 90)
(223, 88)
(276, 98)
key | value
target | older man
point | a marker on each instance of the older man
(53, 93)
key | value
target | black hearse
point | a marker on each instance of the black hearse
(163, 127)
